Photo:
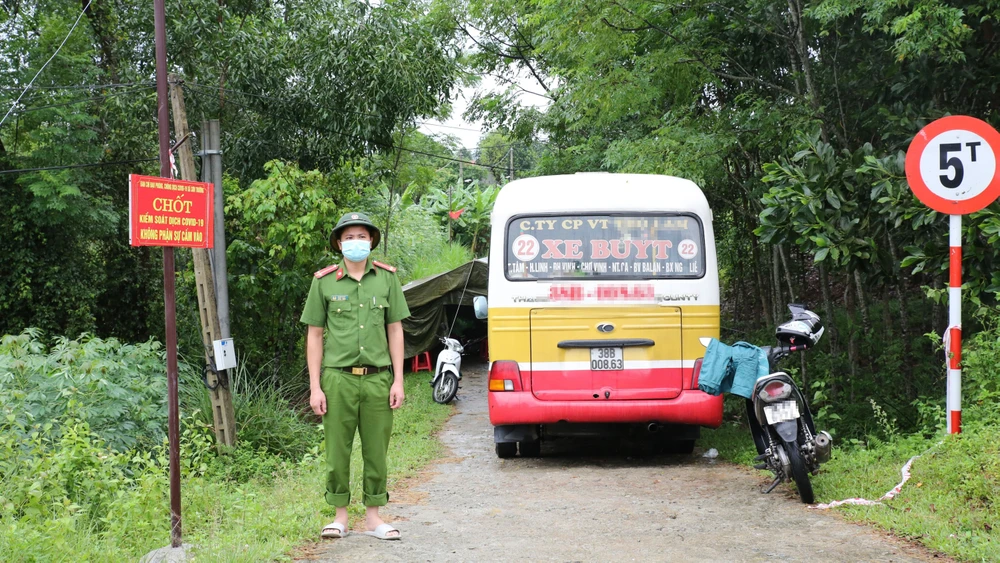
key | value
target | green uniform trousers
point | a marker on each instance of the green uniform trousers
(356, 403)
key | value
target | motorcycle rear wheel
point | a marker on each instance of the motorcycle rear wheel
(446, 388)
(799, 473)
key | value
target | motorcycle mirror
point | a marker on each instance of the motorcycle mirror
(480, 306)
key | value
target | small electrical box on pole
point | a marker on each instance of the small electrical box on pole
(223, 414)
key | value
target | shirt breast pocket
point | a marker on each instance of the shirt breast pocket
(341, 315)
(381, 310)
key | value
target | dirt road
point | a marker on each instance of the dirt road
(579, 504)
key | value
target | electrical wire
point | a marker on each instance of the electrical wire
(404, 149)
(70, 166)
(429, 124)
(81, 86)
(65, 39)
(215, 89)
(83, 100)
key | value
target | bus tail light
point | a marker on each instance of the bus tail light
(695, 372)
(505, 375)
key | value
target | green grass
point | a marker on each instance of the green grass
(732, 441)
(448, 257)
(258, 520)
(950, 504)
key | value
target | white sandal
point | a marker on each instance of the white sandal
(334, 530)
(381, 532)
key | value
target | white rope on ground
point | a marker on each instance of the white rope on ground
(65, 39)
(888, 496)
(946, 340)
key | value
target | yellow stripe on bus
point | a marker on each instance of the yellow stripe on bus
(510, 331)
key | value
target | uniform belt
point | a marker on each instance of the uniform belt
(363, 370)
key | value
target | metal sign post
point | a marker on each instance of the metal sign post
(169, 298)
(953, 339)
(951, 167)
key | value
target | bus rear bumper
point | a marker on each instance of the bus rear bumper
(522, 407)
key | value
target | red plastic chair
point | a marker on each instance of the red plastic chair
(420, 362)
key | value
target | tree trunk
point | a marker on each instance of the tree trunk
(866, 323)
(788, 274)
(776, 283)
(765, 305)
(831, 320)
(887, 313)
(936, 309)
(99, 16)
(901, 290)
(852, 343)
(802, 51)
(392, 190)
(901, 294)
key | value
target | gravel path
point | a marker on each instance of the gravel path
(577, 503)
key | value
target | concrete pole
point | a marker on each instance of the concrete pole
(211, 171)
(222, 399)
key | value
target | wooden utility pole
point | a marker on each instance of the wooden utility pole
(223, 414)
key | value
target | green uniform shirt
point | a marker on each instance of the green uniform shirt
(355, 314)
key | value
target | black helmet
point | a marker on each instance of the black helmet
(350, 220)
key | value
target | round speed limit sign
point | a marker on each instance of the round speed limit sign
(951, 165)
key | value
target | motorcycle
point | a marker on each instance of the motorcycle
(447, 371)
(780, 420)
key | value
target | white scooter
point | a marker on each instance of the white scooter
(448, 371)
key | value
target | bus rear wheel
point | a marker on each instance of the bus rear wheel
(506, 450)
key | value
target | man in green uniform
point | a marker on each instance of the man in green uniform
(356, 374)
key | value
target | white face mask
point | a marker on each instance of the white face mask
(356, 250)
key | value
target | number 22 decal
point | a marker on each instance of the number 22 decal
(525, 247)
(687, 249)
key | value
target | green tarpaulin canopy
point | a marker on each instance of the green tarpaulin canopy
(428, 299)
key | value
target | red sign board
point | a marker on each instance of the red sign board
(165, 212)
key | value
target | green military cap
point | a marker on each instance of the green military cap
(351, 219)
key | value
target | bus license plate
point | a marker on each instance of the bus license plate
(606, 359)
(780, 412)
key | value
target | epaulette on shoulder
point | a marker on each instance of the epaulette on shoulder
(384, 266)
(327, 270)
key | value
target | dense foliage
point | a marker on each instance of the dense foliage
(794, 118)
(77, 486)
(310, 82)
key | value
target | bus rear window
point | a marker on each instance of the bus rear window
(604, 246)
